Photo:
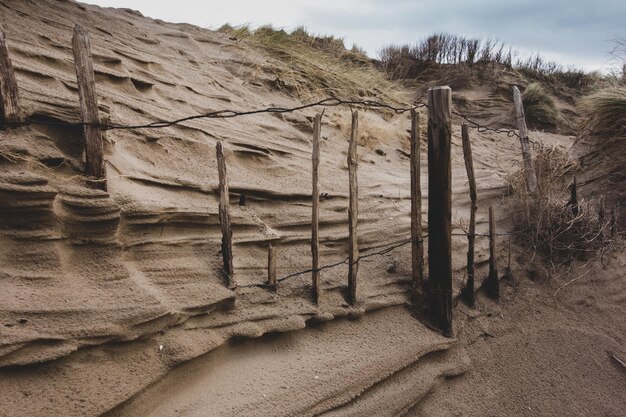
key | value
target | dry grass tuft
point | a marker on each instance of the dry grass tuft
(318, 66)
(539, 107)
(552, 225)
(605, 113)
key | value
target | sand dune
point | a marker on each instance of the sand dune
(103, 294)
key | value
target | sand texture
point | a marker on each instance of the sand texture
(113, 302)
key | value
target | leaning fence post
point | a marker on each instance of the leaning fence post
(573, 199)
(417, 242)
(10, 111)
(440, 206)
(468, 291)
(315, 239)
(492, 285)
(224, 215)
(94, 148)
(529, 166)
(271, 269)
(353, 210)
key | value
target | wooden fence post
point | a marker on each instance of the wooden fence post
(94, 148)
(224, 215)
(492, 285)
(417, 242)
(353, 211)
(10, 111)
(468, 291)
(440, 207)
(271, 269)
(315, 199)
(573, 199)
(529, 165)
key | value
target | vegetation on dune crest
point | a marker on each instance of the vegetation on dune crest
(539, 107)
(409, 61)
(318, 66)
(605, 113)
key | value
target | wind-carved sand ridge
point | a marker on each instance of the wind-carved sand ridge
(105, 294)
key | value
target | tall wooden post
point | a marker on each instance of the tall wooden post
(224, 215)
(10, 111)
(271, 269)
(417, 242)
(468, 291)
(492, 285)
(353, 211)
(440, 207)
(529, 165)
(315, 199)
(573, 199)
(94, 148)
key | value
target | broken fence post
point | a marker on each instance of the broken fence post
(492, 285)
(315, 199)
(468, 291)
(224, 215)
(417, 242)
(10, 111)
(440, 207)
(353, 211)
(529, 165)
(94, 148)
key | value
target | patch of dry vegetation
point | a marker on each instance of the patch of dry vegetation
(318, 66)
(539, 107)
(553, 224)
(410, 61)
(605, 113)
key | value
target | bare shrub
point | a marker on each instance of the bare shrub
(553, 224)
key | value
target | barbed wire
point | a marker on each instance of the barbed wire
(228, 113)
(381, 252)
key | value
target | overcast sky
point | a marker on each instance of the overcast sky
(572, 32)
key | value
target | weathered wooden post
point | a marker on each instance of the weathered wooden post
(492, 285)
(94, 148)
(529, 165)
(573, 199)
(353, 211)
(440, 207)
(468, 291)
(10, 111)
(271, 269)
(315, 199)
(417, 242)
(224, 215)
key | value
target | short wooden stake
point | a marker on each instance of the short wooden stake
(440, 207)
(94, 148)
(492, 285)
(529, 165)
(417, 241)
(573, 199)
(315, 199)
(271, 269)
(468, 291)
(224, 215)
(10, 111)
(353, 211)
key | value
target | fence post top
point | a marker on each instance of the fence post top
(440, 87)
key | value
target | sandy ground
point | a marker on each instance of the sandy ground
(113, 302)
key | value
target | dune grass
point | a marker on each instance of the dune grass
(605, 113)
(539, 107)
(318, 66)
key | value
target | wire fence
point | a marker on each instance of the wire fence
(326, 102)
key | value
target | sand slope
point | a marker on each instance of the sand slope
(104, 293)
